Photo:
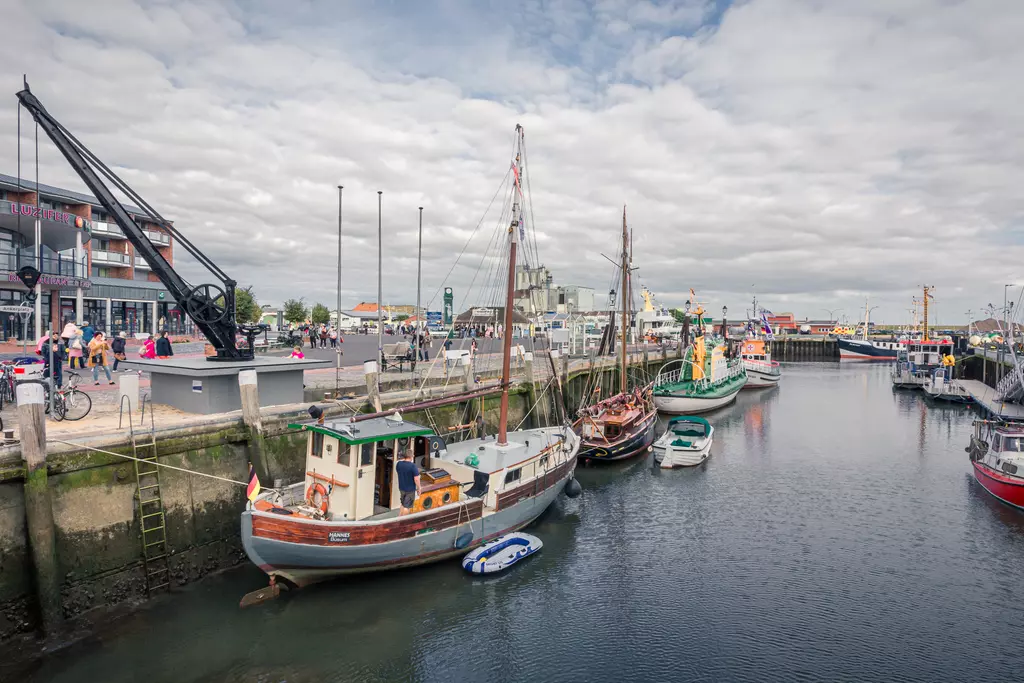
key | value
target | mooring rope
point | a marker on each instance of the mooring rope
(158, 464)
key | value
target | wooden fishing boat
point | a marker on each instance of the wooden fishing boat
(622, 425)
(344, 516)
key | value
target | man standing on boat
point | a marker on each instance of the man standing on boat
(408, 482)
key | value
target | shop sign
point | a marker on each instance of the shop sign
(47, 214)
(56, 280)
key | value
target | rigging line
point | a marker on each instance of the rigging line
(470, 239)
(158, 464)
(529, 192)
(39, 245)
(543, 393)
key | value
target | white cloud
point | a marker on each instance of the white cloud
(820, 152)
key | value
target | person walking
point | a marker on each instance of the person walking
(312, 336)
(333, 336)
(117, 346)
(163, 346)
(424, 342)
(59, 353)
(323, 336)
(408, 482)
(98, 348)
(87, 332)
(75, 351)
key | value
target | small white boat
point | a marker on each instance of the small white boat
(686, 442)
(501, 553)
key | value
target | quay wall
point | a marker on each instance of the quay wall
(986, 370)
(96, 511)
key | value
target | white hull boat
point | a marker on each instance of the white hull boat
(692, 405)
(686, 443)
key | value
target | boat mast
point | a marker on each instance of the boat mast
(625, 303)
(506, 346)
(924, 336)
(867, 313)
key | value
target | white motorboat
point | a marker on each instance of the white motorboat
(686, 442)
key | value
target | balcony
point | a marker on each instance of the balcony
(109, 258)
(141, 263)
(102, 229)
(161, 239)
(53, 264)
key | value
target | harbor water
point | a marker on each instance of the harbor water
(836, 533)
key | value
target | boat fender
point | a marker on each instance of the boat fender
(464, 540)
(573, 488)
(318, 488)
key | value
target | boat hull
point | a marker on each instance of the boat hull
(859, 349)
(307, 551)
(1007, 488)
(693, 405)
(759, 380)
(636, 443)
(672, 457)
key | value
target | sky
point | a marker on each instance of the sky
(813, 153)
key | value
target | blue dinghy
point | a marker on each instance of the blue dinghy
(501, 553)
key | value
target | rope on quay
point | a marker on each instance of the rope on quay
(158, 464)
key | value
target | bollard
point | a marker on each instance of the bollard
(248, 390)
(128, 385)
(372, 388)
(38, 508)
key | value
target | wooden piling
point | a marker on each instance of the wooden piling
(38, 507)
(372, 388)
(248, 390)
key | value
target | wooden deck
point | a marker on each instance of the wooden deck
(987, 398)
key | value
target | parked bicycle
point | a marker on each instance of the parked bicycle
(70, 402)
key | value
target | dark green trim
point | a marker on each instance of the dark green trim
(344, 438)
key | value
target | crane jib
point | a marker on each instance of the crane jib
(211, 306)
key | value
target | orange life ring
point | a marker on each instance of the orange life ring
(314, 489)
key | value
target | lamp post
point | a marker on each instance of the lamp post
(832, 313)
(725, 328)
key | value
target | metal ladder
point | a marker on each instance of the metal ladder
(152, 521)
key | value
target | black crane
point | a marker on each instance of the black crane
(211, 306)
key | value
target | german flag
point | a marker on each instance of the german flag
(253, 489)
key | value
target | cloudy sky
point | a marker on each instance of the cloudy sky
(813, 152)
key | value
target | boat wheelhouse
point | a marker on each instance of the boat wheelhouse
(916, 360)
(343, 517)
(997, 455)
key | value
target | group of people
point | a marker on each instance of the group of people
(322, 334)
(86, 347)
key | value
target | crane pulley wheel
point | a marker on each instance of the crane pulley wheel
(205, 303)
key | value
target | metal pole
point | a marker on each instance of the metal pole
(53, 373)
(39, 251)
(380, 286)
(337, 331)
(419, 313)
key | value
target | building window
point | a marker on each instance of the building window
(513, 475)
(100, 272)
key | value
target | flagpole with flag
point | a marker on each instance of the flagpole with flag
(252, 490)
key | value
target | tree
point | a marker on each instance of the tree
(679, 314)
(321, 315)
(295, 310)
(247, 309)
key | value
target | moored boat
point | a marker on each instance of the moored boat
(762, 371)
(700, 381)
(997, 456)
(621, 425)
(686, 442)
(344, 516)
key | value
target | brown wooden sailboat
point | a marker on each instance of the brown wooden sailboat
(343, 516)
(620, 426)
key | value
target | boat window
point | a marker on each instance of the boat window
(544, 462)
(366, 456)
(611, 431)
(344, 454)
(1013, 443)
(513, 475)
(997, 443)
(317, 445)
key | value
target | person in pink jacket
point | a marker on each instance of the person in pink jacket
(148, 349)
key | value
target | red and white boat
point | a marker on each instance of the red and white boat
(997, 455)
(762, 371)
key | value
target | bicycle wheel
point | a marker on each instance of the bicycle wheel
(60, 408)
(77, 404)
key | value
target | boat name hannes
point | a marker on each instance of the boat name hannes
(338, 536)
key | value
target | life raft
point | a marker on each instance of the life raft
(315, 489)
(501, 553)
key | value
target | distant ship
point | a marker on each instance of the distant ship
(867, 349)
